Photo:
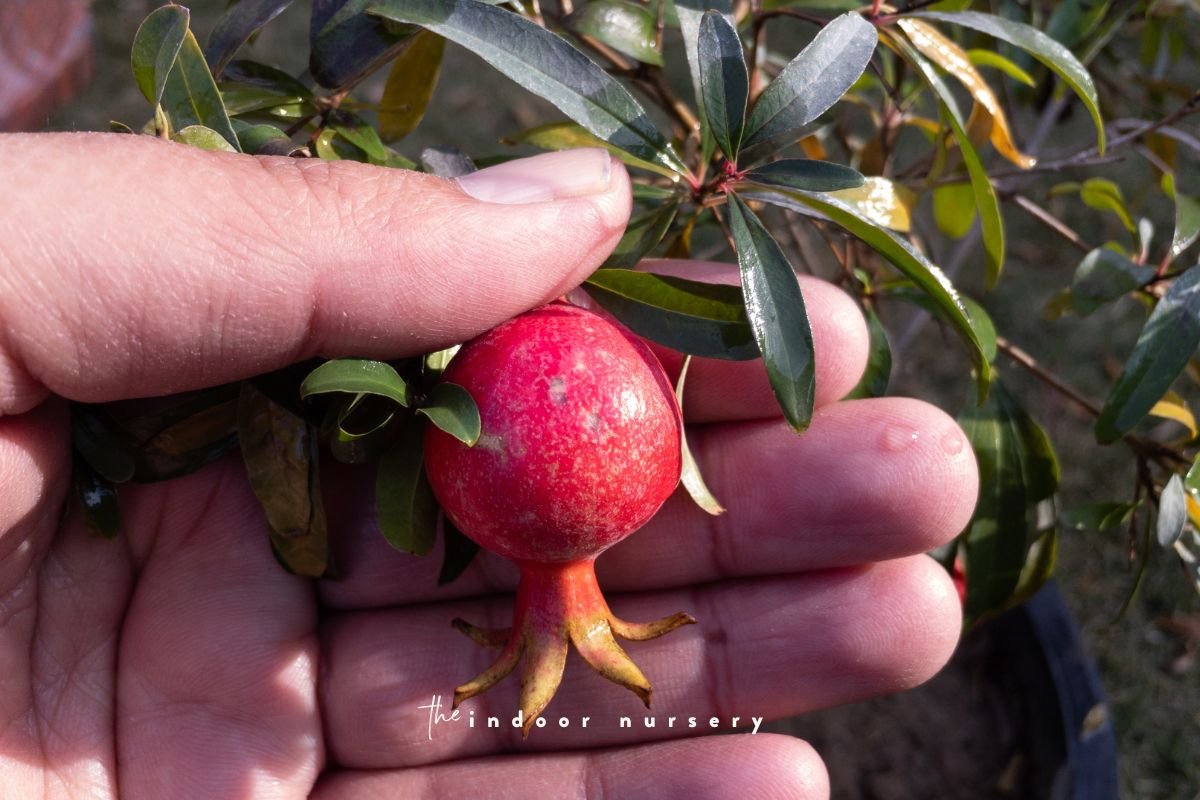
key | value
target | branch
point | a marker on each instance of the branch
(1049, 220)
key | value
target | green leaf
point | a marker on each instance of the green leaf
(929, 278)
(1017, 468)
(954, 209)
(1172, 512)
(625, 27)
(410, 85)
(981, 321)
(1104, 275)
(359, 427)
(1104, 195)
(724, 81)
(156, 45)
(459, 552)
(811, 83)
(1099, 517)
(236, 26)
(777, 314)
(263, 76)
(990, 58)
(878, 374)
(1187, 217)
(204, 138)
(690, 13)
(446, 162)
(98, 498)
(1042, 47)
(690, 475)
(263, 140)
(642, 235)
(356, 375)
(404, 502)
(280, 453)
(806, 174)
(1163, 348)
(544, 64)
(359, 133)
(190, 96)
(451, 408)
(248, 99)
(986, 202)
(703, 319)
(348, 44)
(567, 135)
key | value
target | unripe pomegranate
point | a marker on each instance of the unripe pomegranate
(580, 445)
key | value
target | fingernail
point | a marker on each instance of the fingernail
(549, 176)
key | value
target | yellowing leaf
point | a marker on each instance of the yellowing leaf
(812, 147)
(953, 59)
(881, 201)
(409, 85)
(1193, 510)
(1173, 407)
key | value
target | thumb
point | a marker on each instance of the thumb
(131, 266)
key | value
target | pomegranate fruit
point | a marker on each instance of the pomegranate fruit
(580, 445)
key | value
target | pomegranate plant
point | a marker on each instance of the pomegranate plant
(570, 406)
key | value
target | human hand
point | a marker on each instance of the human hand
(181, 661)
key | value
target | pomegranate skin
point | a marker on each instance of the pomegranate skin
(580, 441)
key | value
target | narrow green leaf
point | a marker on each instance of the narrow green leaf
(690, 476)
(986, 202)
(1172, 512)
(626, 27)
(811, 83)
(1163, 348)
(359, 133)
(724, 81)
(806, 174)
(98, 498)
(239, 99)
(459, 552)
(981, 321)
(404, 502)
(190, 96)
(1104, 275)
(703, 319)
(236, 26)
(1104, 195)
(878, 374)
(929, 278)
(264, 76)
(1042, 47)
(546, 65)
(690, 13)
(954, 209)
(990, 58)
(410, 85)
(356, 375)
(204, 138)
(348, 43)
(777, 314)
(451, 408)
(263, 140)
(1017, 468)
(1187, 217)
(1099, 517)
(280, 453)
(642, 235)
(567, 135)
(358, 427)
(156, 45)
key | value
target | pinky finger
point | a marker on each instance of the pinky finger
(756, 767)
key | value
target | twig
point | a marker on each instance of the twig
(787, 12)
(1049, 220)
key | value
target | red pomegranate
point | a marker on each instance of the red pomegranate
(580, 446)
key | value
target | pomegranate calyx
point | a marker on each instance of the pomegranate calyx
(560, 605)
